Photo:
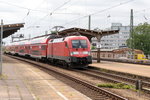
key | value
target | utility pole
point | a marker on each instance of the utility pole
(89, 24)
(131, 33)
(1, 38)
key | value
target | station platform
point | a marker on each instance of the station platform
(143, 70)
(21, 81)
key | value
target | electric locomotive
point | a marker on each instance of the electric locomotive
(71, 51)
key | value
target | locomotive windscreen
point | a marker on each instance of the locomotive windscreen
(79, 44)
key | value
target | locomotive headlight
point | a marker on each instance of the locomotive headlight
(87, 53)
(74, 53)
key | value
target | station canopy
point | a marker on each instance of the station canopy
(10, 29)
(86, 32)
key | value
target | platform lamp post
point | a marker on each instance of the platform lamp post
(1, 38)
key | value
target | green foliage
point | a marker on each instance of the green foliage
(141, 38)
(116, 86)
(93, 47)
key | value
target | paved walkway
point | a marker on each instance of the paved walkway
(25, 82)
(143, 70)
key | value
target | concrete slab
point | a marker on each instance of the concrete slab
(24, 82)
(124, 67)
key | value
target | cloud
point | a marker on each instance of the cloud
(78, 8)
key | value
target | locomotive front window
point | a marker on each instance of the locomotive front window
(79, 44)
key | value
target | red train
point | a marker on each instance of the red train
(70, 51)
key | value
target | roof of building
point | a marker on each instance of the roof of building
(86, 32)
(103, 50)
(122, 50)
(10, 29)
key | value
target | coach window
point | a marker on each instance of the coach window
(43, 47)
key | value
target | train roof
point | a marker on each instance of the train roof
(75, 37)
(39, 40)
(22, 42)
(67, 38)
(44, 38)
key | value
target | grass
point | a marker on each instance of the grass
(3, 76)
(116, 86)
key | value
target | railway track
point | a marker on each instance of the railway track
(94, 92)
(129, 75)
(113, 78)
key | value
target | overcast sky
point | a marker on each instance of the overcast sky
(71, 13)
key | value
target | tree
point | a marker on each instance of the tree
(141, 38)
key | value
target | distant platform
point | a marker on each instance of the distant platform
(21, 81)
(143, 70)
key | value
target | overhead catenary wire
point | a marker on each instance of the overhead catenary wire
(34, 8)
(60, 6)
(52, 12)
(18, 6)
(139, 11)
(106, 9)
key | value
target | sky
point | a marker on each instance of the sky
(40, 16)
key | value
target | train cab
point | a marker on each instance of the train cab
(79, 50)
(71, 50)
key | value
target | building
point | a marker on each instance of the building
(115, 41)
(123, 53)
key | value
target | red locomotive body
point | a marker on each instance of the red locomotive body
(72, 50)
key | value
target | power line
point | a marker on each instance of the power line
(114, 6)
(52, 12)
(117, 5)
(141, 10)
(29, 9)
(60, 6)
(11, 4)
